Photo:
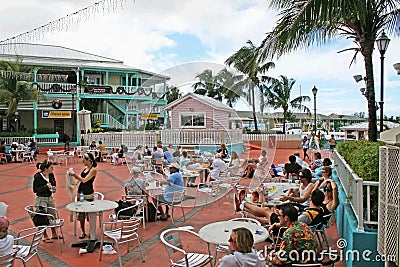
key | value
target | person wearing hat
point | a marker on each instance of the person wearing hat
(6, 240)
(174, 183)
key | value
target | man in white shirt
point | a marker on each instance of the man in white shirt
(6, 240)
(217, 166)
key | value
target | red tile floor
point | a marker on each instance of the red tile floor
(16, 191)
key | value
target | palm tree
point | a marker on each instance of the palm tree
(303, 23)
(207, 85)
(13, 88)
(247, 61)
(277, 95)
(231, 86)
(172, 93)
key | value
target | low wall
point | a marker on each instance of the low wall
(357, 242)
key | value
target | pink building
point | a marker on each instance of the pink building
(194, 111)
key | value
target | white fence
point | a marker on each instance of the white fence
(354, 186)
(266, 137)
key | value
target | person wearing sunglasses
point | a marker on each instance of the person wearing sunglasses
(243, 254)
(301, 195)
(326, 162)
(85, 187)
(331, 199)
(44, 185)
(297, 238)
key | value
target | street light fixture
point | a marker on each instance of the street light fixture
(16, 114)
(382, 42)
(73, 91)
(314, 91)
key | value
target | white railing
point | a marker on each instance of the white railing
(266, 137)
(129, 139)
(201, 137)
(108, 119)
(353, 186)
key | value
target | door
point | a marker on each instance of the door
(59, 127)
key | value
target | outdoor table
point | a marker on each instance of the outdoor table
(56, 154)
(202, 172)
(18, 153)
(218, 233)
(92, 208)
(276, 190)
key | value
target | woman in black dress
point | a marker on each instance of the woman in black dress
(86, 185)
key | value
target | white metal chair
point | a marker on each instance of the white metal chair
(178, 254)
(50, 155)
(8, 260)
(141, 212)
(319, 230)
(177, 198)
(25, 253)
(28, 155)
(70, 156)
(211, 189)
(128, 212)
(125, 233)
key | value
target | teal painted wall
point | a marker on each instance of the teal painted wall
(360, 242)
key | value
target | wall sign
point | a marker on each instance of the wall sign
(52, 114)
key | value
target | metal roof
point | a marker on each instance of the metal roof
(204, 99)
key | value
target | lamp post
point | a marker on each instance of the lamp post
(73, 91)
(16, 114)
(314, 91)
(382, 42)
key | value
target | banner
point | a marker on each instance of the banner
(149, 116)
(56, 114)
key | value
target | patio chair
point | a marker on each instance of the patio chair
(28, 155)
(125, 233)
(129, 212)
(319, 230)
(142, 211)
(8, 260)
(179, 254)
(54, 221)
(211, 189)
(177, 199)
(27, 252)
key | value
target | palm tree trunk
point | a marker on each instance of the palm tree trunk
(254, 108)
(372, 127)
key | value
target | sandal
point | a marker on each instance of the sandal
(82, 236)
(47, 240)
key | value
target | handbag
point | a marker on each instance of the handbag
(40, 219)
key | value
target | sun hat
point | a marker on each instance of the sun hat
(175, 165)
(4, 223)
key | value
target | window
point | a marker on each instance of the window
(193, 120)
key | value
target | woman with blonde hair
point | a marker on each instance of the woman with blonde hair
(243, 254)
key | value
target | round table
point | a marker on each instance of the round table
(218, 233)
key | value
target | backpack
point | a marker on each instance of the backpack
(39, 219)
(126, 213)
(151, 212)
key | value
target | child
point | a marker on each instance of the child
(6, 240)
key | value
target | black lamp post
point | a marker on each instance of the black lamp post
(382, 42)
(314, 91)
(16, 114)
(73, 91)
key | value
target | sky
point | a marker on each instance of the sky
(183, 38)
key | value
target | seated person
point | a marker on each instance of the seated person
(103, 151)
(156, 155)
(243, 254)
(184, 160)
(331, 195)
(217, 166)
(317, 161)
(177, 152)
(138, 153)
(234, 164)
(118, 155)
(174, 183)
(168, 156)
(298, 237)
(147, 151)
(325, 162)
(6, 240)
(314, 214)
(292, 167)
(14, 145)
(302, 195)
(250, 169)
(223, 151)
(3, 152)
(170, 148)
(263, 159)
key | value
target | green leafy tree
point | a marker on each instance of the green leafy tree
(231, 86)
(13, 87)
(172, 93)
(302, 23)
(207, 85)
(277, 95)
(247, 61)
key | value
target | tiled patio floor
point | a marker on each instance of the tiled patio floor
(16, 191)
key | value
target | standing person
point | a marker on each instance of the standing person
(243, 254)
(3, 150)
(44, 185)
(67, 140)
(305, 145)
(298, 237)
(103, 151)
(223, 151)
(86, 179)
(6, 240)
(332, 142)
